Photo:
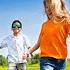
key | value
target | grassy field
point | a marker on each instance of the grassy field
(29, 67)
(36, 66)
(68, 65)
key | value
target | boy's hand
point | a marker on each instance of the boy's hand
(24, 56)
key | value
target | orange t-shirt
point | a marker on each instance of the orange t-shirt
(53, 39)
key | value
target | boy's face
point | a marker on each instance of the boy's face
(16, 28)
(16, 31)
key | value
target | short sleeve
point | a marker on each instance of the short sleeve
(68, 27)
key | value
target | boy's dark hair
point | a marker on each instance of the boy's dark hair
(14, 22)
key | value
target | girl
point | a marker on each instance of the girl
(52, 39)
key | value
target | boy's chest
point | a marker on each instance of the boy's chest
(16, 42)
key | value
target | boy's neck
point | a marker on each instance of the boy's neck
(16, 34)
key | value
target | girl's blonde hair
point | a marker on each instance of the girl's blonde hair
(59, 7)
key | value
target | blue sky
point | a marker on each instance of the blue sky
(29, 12)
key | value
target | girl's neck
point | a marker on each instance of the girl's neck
(58, 19)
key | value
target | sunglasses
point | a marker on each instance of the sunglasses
(16, 26)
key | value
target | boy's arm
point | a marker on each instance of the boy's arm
(3, 44)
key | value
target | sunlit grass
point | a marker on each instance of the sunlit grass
(68, 65)
(29, 67)
(36, 66)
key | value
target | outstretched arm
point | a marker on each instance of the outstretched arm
(37, 45)
(3, 44)
(31, 50)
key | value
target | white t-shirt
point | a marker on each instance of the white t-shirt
(16, 47)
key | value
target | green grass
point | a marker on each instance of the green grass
(68, 65)
(33, 67)
(29, 67)
(36, 66)
(3, 68)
